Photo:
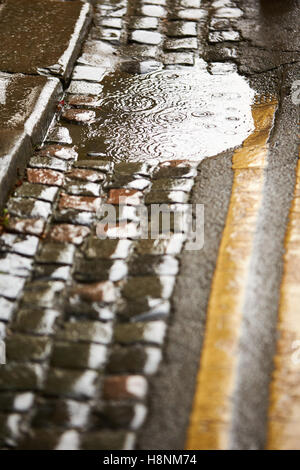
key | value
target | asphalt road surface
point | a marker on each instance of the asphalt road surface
(118, 342)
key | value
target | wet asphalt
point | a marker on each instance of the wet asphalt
(269, 57)
(142, 126)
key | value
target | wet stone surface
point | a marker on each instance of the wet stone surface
(134, 359)
(56, 253)
(61, 413)
(35, 320)
(12, 263)
(86, 318)
(37, 191)
(43, 294)
(26, 226)
(46, 177)
(23, 348)
(59, 151)
(92, 270)
(48, 163)
(78, 356)
(46, 51)
(10, 286)
(85, 175)
(19, 402)
(23, 245)
(6, 309)
(149, 265)
(51, 272)
(182, 29)
(89, 332)
(71, 383)
(67, 233)
(21, 377)
(79, 116)
(124, 387)
(127, 416)
(107, 249)
(152, 332)
(29, 207)
(65, 218)
(146, 37)
(181, 44)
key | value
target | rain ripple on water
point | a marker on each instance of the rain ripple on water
(184, 114)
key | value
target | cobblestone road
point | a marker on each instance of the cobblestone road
(91, 324)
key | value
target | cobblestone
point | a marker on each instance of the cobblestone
(21, 377)
(100, 165)
(61, 413)
(59, 135)
(6, 309)
(144, 309)
(51, 272)
(92, 271)
(127, 196)
(152, 332)
(166, 197)
(134, 360)
(37, 191)
(124, 387)
(56, 253)
(179, 58)
(43, 294)
(89, 315)
(19, 402)
(80, 87)
(23, 348)
(37, 321)
(182, 29)
(82, 189)
(15, 264)
(91, 332)
(26, 226)
(67, 217)
(23, 245)
(67, 233)
(46, 177)
(79, 116)
(97, 292)
(71, 383)
(59, 151)
(122, 415)
(48, 162)
(83, 203)
(10, 286)
(107, 249)
(181, 44)
(146, 37)
(29, 207)
(83, 101)
(78, 356)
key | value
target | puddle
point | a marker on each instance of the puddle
(182, 114)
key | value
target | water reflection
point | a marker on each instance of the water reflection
(167, 114)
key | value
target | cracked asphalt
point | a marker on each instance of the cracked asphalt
(115, 342)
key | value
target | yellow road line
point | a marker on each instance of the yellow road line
(212, 409)
(284, 410)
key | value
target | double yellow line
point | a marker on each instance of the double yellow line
(284, 411)
(211, 416)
